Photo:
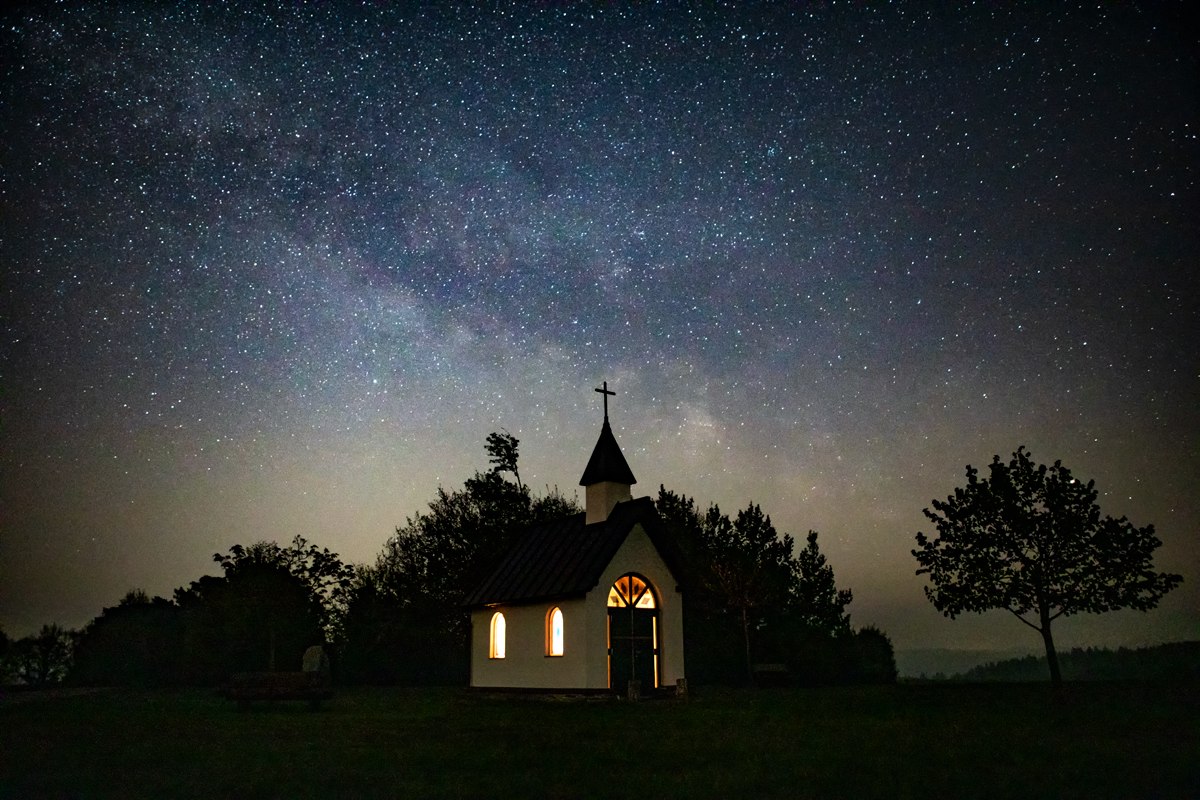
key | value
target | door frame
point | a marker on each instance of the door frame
(655, 648)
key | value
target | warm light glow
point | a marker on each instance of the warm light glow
(496, 649)
(555, 632)
(654, 642)
(630, 590)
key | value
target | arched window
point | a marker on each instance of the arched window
(554, 632)
(630, 590)
(496, 647)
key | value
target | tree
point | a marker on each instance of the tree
(785, 604)
(138, 642)
(713, 640)
(813, 595)
(684, 523)
(874, 660)
(42, 659)
(751, 565)
(320, 570)
(271, 604)
(1030, 539)
(255, 618)
(6, 667)
(502, 449)
(810, 630)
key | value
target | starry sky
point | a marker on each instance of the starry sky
(278, 270)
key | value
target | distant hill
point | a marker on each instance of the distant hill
(942, 662)
(1172, 661)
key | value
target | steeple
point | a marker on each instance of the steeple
(607, 479)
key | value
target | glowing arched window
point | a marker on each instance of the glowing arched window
(496, 648)
(630, 590)
(554, 632)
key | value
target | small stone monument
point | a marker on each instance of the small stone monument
(315, 660)
(635, 689)
(681, 690)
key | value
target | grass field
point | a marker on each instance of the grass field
(1091, 740)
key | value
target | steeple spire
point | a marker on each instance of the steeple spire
(607, 477)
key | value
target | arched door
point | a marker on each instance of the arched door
(632, 633)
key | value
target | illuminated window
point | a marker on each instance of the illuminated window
(630, 590)
(554, 632)
(496, 648)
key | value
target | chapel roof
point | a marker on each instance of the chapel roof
(607, 462)
(565, 557)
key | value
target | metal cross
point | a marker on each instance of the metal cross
(606, 394)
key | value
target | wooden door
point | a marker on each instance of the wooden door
(632, 634)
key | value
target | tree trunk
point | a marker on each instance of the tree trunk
(1051, 655)
(746, 632)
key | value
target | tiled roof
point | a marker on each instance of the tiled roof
(565, 557)
(607, 462)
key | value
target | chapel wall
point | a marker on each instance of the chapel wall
(525, 664)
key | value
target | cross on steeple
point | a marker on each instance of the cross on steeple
(606, 394)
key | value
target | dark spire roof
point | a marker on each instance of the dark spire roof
(565, 557)
(607, 462)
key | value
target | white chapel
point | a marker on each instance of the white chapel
(587, 602)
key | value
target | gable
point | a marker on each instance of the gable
(566, 557)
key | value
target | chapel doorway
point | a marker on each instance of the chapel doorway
(632, 634)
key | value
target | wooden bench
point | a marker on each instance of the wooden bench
(246, 687)
(771, 675)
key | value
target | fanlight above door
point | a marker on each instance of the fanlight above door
(630, 590)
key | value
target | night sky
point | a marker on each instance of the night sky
(279, 270)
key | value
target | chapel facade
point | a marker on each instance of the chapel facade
(587, 602)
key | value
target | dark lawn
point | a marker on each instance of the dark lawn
(1094, 740)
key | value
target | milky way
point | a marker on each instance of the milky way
(279, 270)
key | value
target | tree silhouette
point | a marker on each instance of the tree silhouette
(271, 604)
(712, 639)
(784, 600)
(1030, 539)
(42, 659)
(321, 571)
(137, 642)
(813, 596)
(751, 565)
(874, 659)
(502, 449)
